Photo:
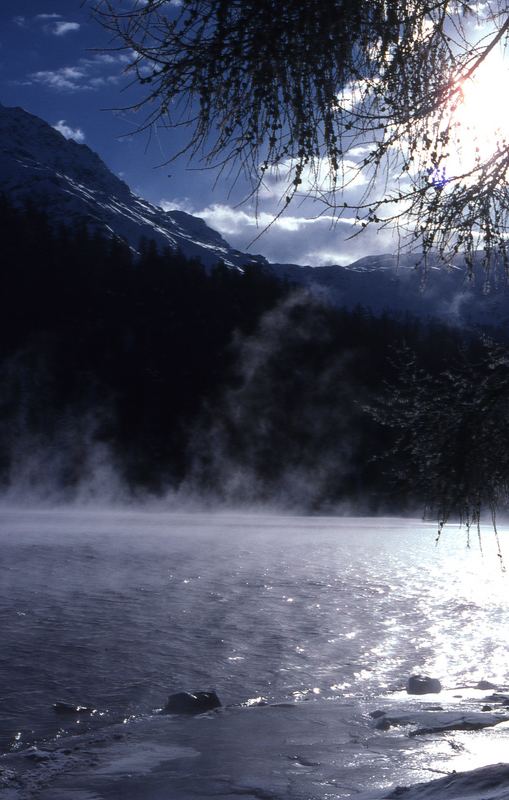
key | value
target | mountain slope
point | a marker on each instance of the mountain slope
(71, 182)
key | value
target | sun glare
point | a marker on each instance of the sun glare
(481, 121)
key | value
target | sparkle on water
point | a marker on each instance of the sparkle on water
(115, 610)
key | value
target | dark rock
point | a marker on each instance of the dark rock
(503, 699)
(423, 684)
(459, 725)
(485, 685)
(487, 708)
(376, 714)
(382, 724)
(192, 702)
(398, 791)
(71, 709)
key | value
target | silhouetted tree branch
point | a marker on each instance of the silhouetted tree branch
(450, 440)
(322, 90)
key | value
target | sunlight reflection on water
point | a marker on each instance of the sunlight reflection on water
(117, 609)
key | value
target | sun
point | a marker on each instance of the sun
(481, 118)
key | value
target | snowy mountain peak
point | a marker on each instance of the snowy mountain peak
(74, 185)
(36, 145)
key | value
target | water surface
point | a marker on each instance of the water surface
(117, 609)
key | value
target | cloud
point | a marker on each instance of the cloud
(69, 133)
(65, 78)
(52, 23)
(315, 229)
(25, 22)
(315, 179)
(296, 239)
(61, 28)
(88, 74)
(105, 59)
(140, 3)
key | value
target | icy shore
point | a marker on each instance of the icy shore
(314, 750)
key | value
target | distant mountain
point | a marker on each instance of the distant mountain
(400, 286)
(74, 185)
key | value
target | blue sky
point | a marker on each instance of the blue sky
(54, 62)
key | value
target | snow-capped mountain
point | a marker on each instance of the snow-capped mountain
(73, 185)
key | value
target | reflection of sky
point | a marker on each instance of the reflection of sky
(51, 66)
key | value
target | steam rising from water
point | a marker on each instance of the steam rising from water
(279, 437)
(282, 435)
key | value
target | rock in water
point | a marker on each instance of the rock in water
(485, 685)
(192, 702)
(423, 684)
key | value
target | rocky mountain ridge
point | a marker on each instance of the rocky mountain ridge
(74, 185)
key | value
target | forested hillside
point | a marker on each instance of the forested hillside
(223, 384)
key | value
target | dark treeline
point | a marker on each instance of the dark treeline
(232, 385)
(139, 342)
